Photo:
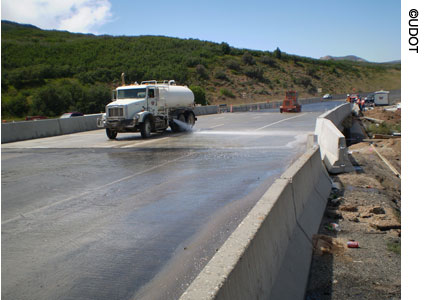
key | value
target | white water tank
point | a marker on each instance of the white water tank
(173, 96)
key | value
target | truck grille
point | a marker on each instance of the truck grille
(116, 112)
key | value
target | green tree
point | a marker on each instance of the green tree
(94, 99)
(15, 106)
(277, 53)
(199, 94)
(225, 48)
(52, 100)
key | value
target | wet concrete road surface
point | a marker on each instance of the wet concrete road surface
(84, 217)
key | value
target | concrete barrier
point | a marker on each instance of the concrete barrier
(338, 114)
(205, 110)
(269, 254)
(26, 130)
(332, 143)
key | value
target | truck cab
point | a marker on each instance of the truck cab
(290, 103)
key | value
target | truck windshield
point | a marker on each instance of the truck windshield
(132, 93)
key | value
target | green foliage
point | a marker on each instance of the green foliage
(225, 48)
(52, 100)
(227, 93)
(199, 94)
(303, 81)
(394, 246)
(221, 75)
(64, 95)
(277, 53)
(202, 72)
(255, 72)
(312, 71)
(233, 65)
(384, 128)
(248, 59)
(267, 60)
(14, 106)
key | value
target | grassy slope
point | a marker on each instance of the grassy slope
(32, 58)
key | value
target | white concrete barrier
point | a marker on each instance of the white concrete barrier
(205, 110)
(333, 148)
(338, 114)
(269, 254)
(26, 130)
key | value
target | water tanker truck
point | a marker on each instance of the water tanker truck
(148, 107)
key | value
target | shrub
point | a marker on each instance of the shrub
(304, 81)
(248, 59)
(202, 72)
(394, 246)
(384, 128)
(267, 60)
(15, 106)
(255, 72)
(52, 100)
(311, 71)
(199, 93)
(221, 75)
(227, 93)
(193, 62)
(233, 65)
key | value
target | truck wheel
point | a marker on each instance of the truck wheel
(146, 129)
(181, 118)
(190, 120)
(111, 134)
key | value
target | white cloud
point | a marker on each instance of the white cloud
(73, 15)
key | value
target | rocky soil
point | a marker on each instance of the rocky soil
(364, 207)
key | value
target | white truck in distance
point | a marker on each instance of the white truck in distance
(148, 107)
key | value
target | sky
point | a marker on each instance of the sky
(369, 29)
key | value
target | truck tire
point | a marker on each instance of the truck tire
(111, 134)
(181, 118)
(190, 119)
(146, 129)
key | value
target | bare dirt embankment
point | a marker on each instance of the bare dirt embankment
(364, 207)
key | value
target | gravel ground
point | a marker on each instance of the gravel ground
(365, 206)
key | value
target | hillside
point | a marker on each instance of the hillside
(50, 72)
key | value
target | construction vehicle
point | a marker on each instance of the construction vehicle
(149, 107)
(290, 103)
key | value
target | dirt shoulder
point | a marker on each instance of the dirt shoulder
(364, 207)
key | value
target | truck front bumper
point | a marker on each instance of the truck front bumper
(118, 125)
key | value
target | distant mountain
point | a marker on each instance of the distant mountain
(357, 59)
(348, 57)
